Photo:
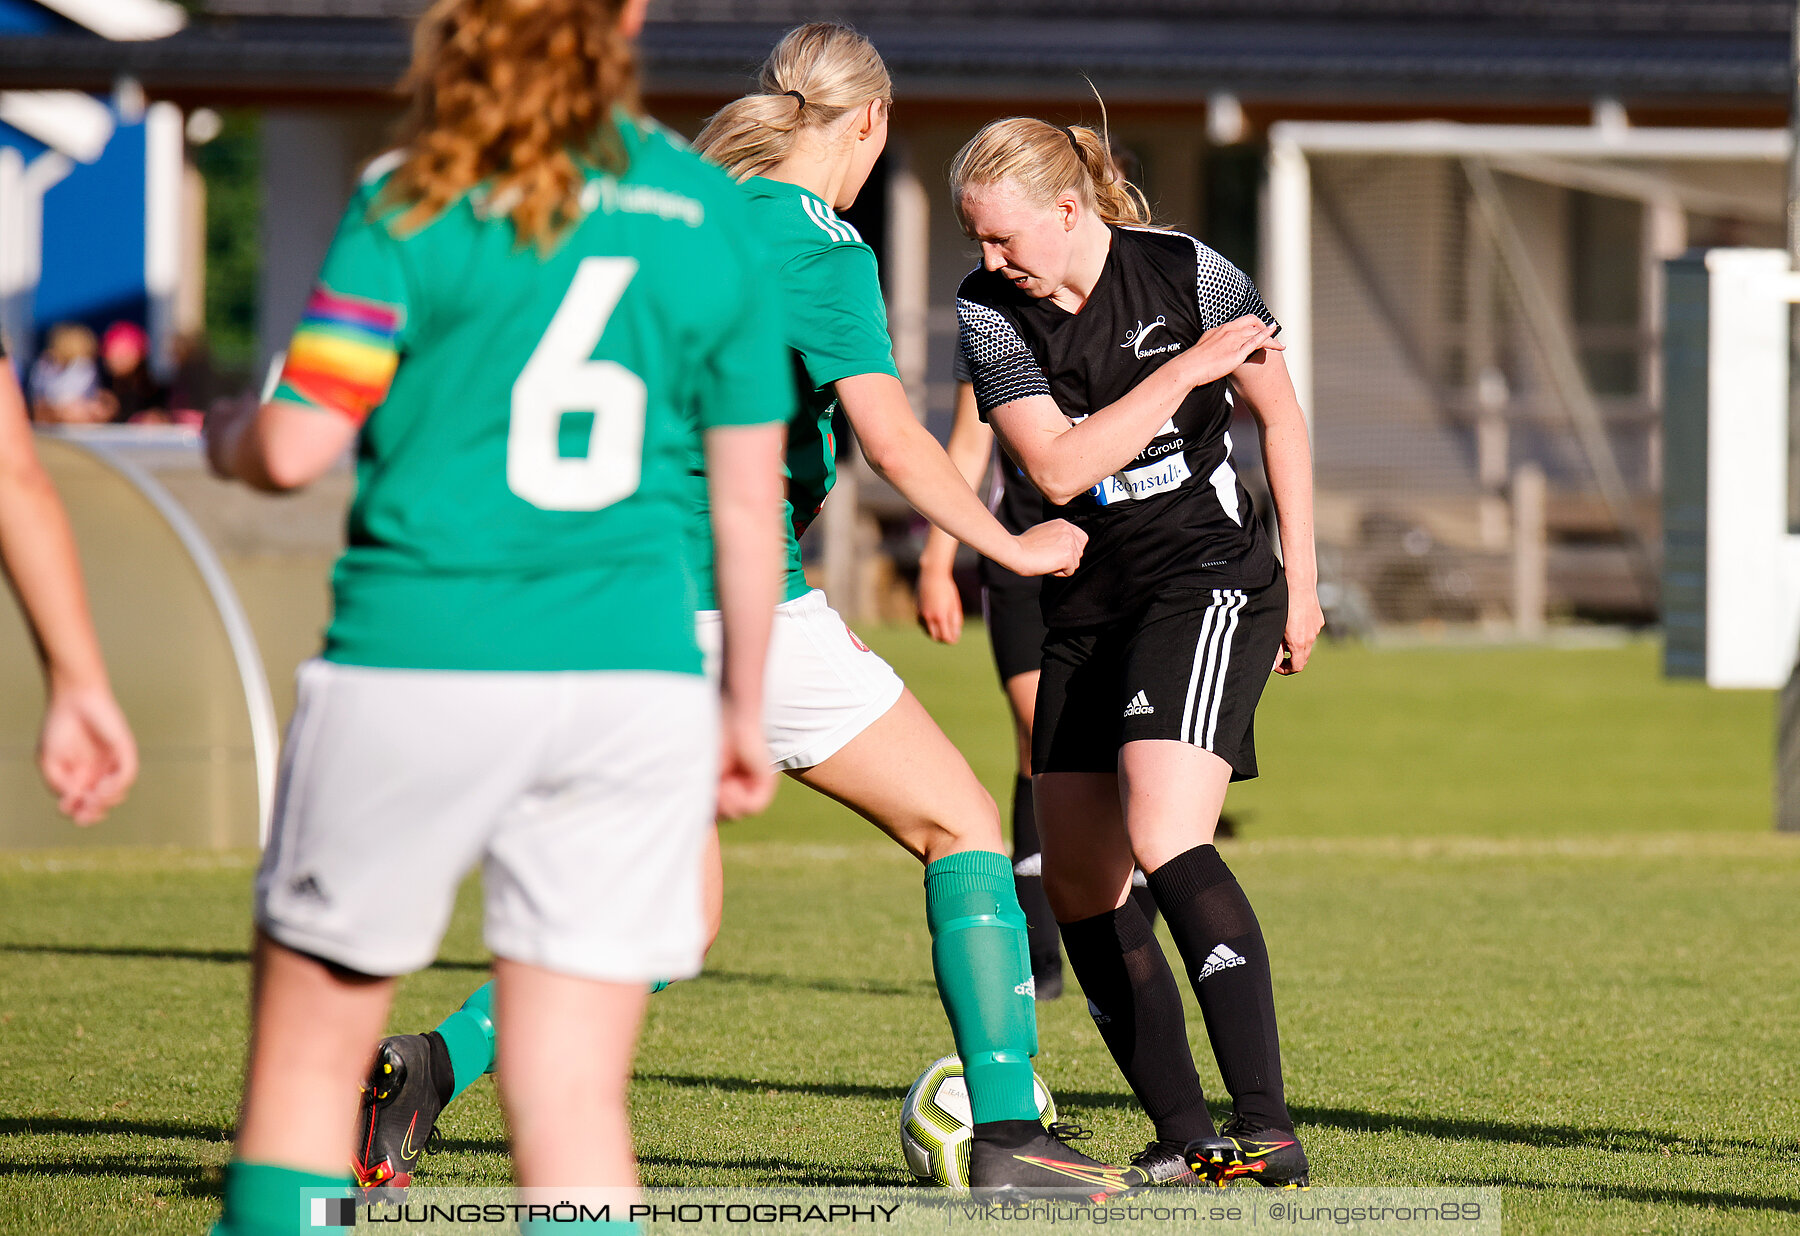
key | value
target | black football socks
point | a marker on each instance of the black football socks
(1222, 945)
(1146, 904)
(1136, 1005)
(1040, 923)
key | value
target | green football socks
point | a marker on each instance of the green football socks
(980, 954)
(264, 1200)
(468, 1035)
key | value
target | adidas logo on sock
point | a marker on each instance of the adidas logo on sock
(1100, 1018)
(1221, 958)
(1027, 988)
(1139, 706)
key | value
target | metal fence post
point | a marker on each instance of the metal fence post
(1787, 729)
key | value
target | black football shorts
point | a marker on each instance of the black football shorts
(1189, 666)
(1015, 624)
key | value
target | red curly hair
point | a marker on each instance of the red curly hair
(514, 95)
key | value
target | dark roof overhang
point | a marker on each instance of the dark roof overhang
(1166, 60)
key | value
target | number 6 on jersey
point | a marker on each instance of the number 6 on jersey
(562, 377)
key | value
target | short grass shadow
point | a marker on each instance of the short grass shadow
(1543, 1136)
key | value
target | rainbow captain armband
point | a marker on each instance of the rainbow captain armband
(343, 355)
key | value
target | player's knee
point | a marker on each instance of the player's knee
(985, 823)
(712, 917)
(971, 825)
(1075, 895)
(1022, 745)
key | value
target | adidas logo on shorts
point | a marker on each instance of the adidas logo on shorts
(1139, 706)
(1221, 958)
(307, 887)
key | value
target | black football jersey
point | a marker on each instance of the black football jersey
(1176, 515)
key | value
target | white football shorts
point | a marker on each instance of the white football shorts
(586, 797)
(823, 685)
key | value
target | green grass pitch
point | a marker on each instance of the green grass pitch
(1529, 925)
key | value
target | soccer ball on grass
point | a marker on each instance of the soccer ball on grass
(935, 1124)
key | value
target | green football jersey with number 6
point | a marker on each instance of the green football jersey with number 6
(522, 496)
(829, 303)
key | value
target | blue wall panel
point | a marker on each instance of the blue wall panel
(28, 146)
(26, 17)
(93, 268)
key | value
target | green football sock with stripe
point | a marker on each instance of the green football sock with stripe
(264, 1200)
(468, 1036)
(982, 961)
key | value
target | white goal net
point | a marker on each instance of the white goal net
(1478, 327)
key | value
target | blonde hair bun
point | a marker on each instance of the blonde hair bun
(817, 74)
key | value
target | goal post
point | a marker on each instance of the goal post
(1731, 577)
(1473, 317)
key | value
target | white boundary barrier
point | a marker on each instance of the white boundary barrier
(1731, 573)
(265, 734)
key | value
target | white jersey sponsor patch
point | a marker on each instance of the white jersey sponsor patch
(1165, 474)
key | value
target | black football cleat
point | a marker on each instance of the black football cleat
(1270, 1157)
(1164, 1163)
(1047, 984)
(400, 1106)
(1021, 1157)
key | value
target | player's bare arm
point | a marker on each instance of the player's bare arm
(903, 452)
(1264, 384)
(86, 753)
(1066, 460)
(277, 447)
(970, 447)
(744, 483)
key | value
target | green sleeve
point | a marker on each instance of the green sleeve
(749, 380)
(348, 344)
(837, 320)
(366, 257)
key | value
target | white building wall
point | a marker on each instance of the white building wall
(311, 158)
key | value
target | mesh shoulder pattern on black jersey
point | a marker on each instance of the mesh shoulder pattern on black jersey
(1002, 368)
(1224, 292)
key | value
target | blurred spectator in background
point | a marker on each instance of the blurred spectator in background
(125, 378)
(85, 750)
(196, 383)
(65, 381)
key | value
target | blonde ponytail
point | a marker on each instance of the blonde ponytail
(1043, 162)
(816, 75)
